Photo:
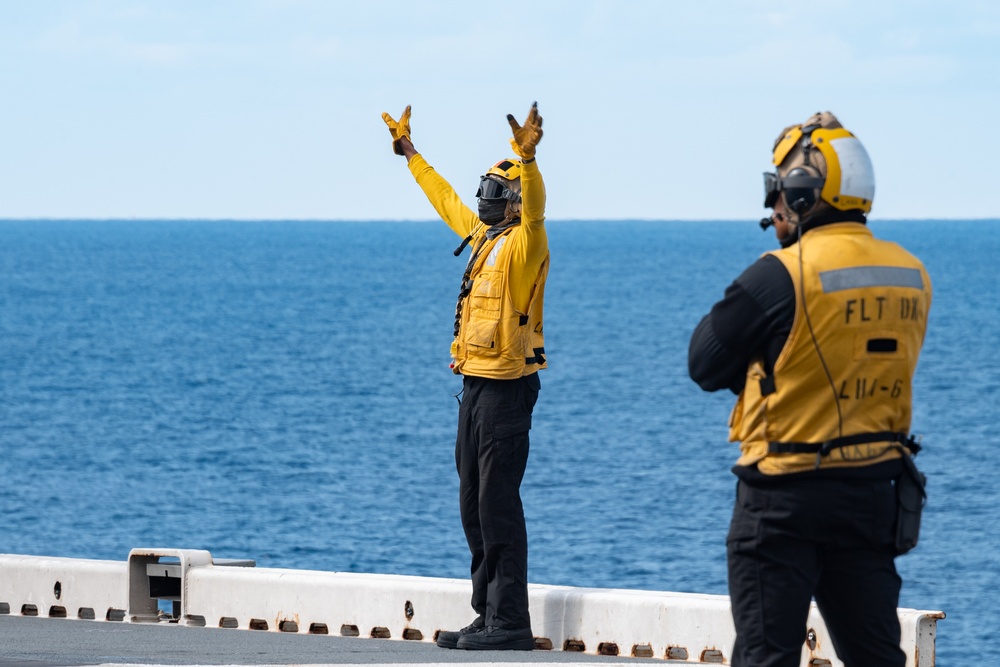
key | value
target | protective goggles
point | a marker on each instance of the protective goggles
(493, 189)
(771, 189)
(774, 184)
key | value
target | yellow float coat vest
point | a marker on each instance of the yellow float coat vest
(495, 339)
(867, 302)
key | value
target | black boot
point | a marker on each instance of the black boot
(449, 638)
(494, 638)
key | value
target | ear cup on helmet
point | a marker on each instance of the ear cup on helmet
(801, 187)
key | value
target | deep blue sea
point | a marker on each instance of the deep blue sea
(281, 391)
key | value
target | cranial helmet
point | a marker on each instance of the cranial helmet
(503, 181)
(821, 167)
(506, 175)
(508, 169)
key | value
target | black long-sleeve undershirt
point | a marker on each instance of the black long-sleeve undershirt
(752, 320)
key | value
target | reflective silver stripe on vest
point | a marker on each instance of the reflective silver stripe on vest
(870, 276)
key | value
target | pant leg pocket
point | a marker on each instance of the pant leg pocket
(746, 515)
(511, 426)
(510, 408)
(883, 525)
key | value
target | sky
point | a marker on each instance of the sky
(661, 110)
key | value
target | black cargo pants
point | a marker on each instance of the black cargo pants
(829, 538)
(491, 453)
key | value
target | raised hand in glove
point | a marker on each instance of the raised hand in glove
(398, 129)
(526, 137)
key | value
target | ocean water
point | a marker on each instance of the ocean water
(280, 391)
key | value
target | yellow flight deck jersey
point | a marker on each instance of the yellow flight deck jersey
(867, 302)
(500, 333)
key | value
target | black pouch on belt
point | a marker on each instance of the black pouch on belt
(910, 496)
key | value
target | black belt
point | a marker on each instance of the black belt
(824, 448)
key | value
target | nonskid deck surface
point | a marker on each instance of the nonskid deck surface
(45, 642)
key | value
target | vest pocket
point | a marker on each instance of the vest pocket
(482, 335)
(486, 293)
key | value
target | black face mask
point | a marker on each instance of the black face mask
(492, 211)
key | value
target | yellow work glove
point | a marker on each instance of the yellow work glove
(398, 129)
(526, 137)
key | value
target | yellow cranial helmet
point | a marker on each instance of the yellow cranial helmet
(508, 169)
(820, 164)
(502, 181)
